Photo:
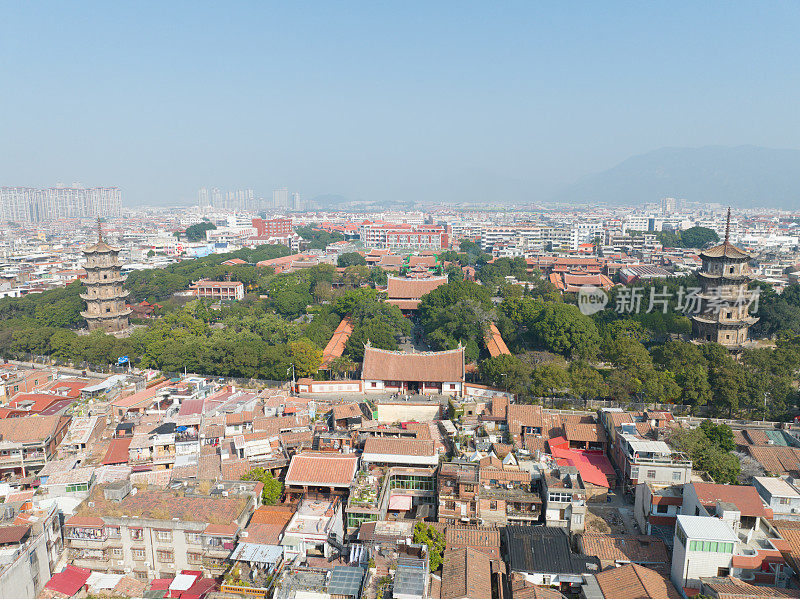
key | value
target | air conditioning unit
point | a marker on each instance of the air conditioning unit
(120, 562)
(91, 504)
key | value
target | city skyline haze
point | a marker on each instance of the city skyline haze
(446, 102)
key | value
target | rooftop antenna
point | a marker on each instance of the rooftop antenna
(728, 226)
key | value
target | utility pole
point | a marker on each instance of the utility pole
(291, 391)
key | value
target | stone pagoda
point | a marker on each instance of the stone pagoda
(724, 314)
(105, 297)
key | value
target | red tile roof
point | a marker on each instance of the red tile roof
(221, 530)
(85, 522)
(592, 433)
(746, 499)
(28, 429)
(389, 446)
(319, 469)
(13, 534)
(117, 452)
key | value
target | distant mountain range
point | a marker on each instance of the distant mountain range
(744, 176)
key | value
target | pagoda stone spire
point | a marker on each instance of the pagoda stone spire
(105, 296)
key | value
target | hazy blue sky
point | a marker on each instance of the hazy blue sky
(403, 100)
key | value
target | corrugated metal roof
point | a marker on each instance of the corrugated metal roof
(644, 446)
(706, 528)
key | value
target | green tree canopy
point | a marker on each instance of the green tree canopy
(197, 232)
(425, 534)
(351, 259)
(273, 488)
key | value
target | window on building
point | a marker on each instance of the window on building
(136, 534)
(676, 475)
(680, 535)
(194, 558)
(560, 497)
(112, 531)
(116, 552)
(662, 508)
(164, 556)
(140, 575)
(138, 553)
(193, 538)
(163, 536)
(492, 505)
(651, 474)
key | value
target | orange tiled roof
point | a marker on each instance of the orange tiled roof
(494, 341)
(635, 582)
(320, 469)
(631, 548)
(414, 289)
(335, 346)
(385, 365)
(592, 433)
(466, 573)
(746, 499)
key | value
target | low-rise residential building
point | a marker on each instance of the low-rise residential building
(318, 472)
(425, 373)
(656, 509)
(654, 462)
(703, 546)
(564, 499)
(543, 556)
(708, 499)
(399, 452)
(28, 442)
(506, 494)
(155, 533)
(30, 548)
(457, 483)
(780, 495)
(317, 521)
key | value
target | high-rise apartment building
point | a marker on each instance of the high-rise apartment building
(280, 199)
(237, 200)
(203, 198)
(668, 205)
(296, 203)
(29, 204)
